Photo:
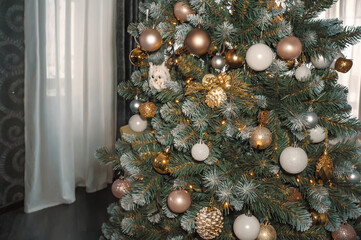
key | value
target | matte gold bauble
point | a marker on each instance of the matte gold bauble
(137, 55)
(260, 138)
(197, 41)
(216, 97)
(289, 48)
(161, 162)
(267, 232)
(147, 109)
(319, 218)
(343, 65)
(182, 10)
(150, 40)
(233, 60)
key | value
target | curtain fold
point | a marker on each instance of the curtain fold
(70, 82)
(349, 11)
(127, 12)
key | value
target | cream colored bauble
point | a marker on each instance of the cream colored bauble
(246, 227)
(320, 62)
(293, 160)
(137, 123)
(259, 57)
(340, 55)
(317, 134)
(302, 73)
(200, 151)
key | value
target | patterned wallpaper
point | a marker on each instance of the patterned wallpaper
(12, 148)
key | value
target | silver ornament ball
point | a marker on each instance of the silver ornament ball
(310, 119)
(218, 62)
(200, 151)
(354, 177)
(302, 73)
(134, 105)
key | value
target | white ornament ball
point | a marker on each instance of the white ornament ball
(259, 57)
(246, 227)
(317, 134)
(335, 59)
(200, 151)
(302, 73)
(320, 62)
(137, 123)
(293, 160)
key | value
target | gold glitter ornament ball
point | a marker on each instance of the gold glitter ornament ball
(260, 138)
(209, 222)
(267, 232)
(216, 97)
(147, 110)
(344, 232)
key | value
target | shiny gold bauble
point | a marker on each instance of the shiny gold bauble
(319, 218)
(182, 10)
(147, 109)
(289, 48)
(267, 232)
(197, 41)
(161, 162)
(209, 222)
(150, 40)
(343, 65)
(233, 60)
(216, 97)
(260, 138)
(137, 55)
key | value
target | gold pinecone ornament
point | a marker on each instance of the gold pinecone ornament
(209, 222)
(216, 97)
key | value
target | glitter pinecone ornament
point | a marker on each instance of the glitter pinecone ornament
(209, 222)
(216, 97)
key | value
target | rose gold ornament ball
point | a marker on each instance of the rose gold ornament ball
(289, 48)
(179, 201)
(150, 40)
(197, 41)
(120, 187)
(260, 138)
(182, 10)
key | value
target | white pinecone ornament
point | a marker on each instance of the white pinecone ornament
(209, 222)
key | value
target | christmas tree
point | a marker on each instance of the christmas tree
(242, 129)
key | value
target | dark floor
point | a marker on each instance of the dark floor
(78, 221)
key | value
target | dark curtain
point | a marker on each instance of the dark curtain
(127, 12)
(12, 148)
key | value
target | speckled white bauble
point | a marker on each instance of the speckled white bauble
(335, 59)
(137, 123)
(320, 62)
(200, 152)
(302, 73)
(317, 134)
(246, 227)
(293, 160)
(259, 57)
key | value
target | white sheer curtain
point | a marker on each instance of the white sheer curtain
(69, 97)
(350, 12)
